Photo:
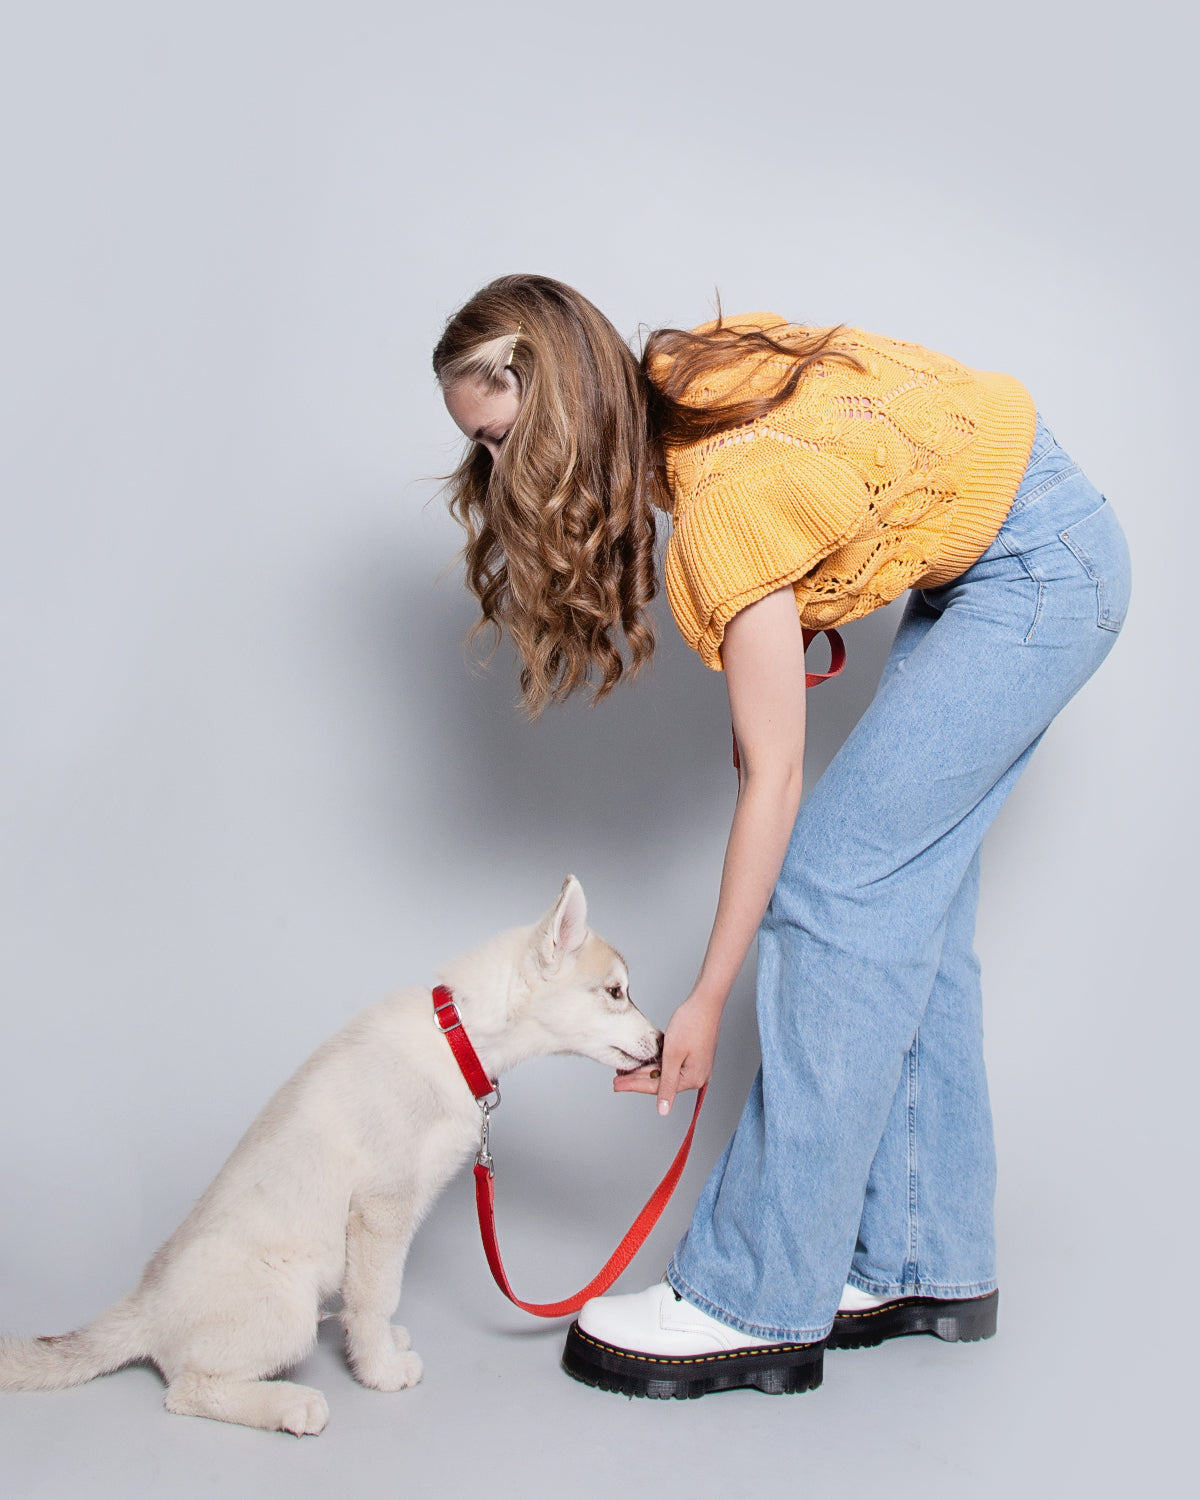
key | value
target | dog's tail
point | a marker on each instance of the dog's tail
(115, 1338)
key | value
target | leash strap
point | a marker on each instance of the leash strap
(837, 656)
(634, 1239)
(837, 660)
(484, 1088)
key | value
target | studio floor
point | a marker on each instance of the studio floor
(1053, 1406)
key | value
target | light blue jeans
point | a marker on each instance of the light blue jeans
(865, 1148)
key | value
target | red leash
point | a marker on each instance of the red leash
(487, 1096)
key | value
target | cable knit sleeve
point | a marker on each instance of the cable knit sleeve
(750, 532)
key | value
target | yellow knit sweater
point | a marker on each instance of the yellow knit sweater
(861, 485)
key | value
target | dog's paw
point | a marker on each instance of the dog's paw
(381, 1355)
(305, 1412)
(276, 1405)
(390, 1370)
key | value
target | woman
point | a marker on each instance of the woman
(811, 476)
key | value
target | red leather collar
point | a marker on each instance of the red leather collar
(445, 1013)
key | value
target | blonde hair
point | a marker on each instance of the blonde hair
(561, 532)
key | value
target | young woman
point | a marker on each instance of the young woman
(811, 476)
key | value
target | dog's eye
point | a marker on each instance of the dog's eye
(617, 991)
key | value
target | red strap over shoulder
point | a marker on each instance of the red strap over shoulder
(837, 656)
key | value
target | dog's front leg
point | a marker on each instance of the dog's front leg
(378, 1232)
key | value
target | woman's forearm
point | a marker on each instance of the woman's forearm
(762, 824)
(763, 656)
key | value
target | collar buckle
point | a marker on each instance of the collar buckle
(446, 1005)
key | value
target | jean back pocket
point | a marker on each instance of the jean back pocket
(1098, 545)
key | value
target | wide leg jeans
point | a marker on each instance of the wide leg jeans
(864, 1151)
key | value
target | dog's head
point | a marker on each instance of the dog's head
(578, 989)
(552, 987)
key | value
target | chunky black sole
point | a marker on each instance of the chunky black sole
(777, 1369)
(955, 1321)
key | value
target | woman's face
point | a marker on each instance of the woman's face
(484, 415)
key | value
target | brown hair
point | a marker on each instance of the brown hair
(560, 528)
(677, 363)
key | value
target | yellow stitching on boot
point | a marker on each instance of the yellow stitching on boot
(694, 1359)
(874, 1312)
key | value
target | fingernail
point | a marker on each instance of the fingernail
(664, 1106)
(655, 1072)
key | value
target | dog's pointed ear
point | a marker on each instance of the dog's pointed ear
(562, 930)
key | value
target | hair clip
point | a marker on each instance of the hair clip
(513, 350)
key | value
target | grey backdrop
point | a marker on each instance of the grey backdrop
(250, 784)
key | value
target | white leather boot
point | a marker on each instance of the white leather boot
(659, 1321)
(653, 1343)
(852, 1300)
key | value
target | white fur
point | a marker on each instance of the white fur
(325, 1190)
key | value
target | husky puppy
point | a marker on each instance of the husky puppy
(325, 1190)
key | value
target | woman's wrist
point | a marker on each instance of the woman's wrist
(708, 998)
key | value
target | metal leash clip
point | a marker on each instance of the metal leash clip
(483, 1157)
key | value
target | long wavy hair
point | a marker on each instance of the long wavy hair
(561, 532)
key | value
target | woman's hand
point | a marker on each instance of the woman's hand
(689, 1047)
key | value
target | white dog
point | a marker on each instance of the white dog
(325, 1190)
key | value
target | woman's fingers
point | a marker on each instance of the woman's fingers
(673, 1059)
(643, 1080)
